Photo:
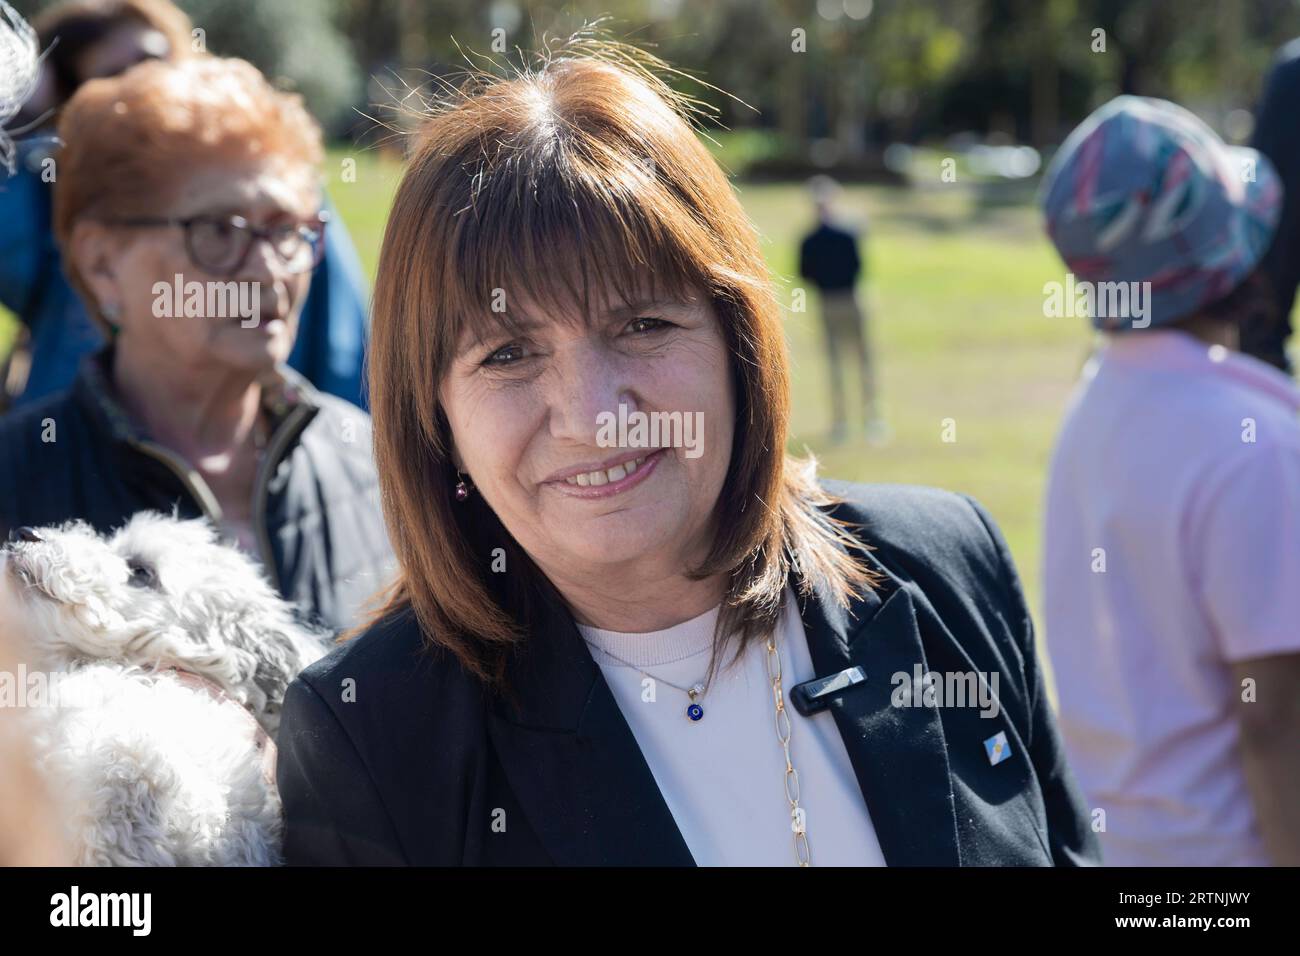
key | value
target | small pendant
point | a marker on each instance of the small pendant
(695, 711)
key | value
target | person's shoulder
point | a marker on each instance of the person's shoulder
(1231, 412)
(390, 669)
(35, 427)
(1275, 423)
(898, 513)
(40, 445)
(947, 546)
(338, 413)
(1287, 59)
(375, 709)
(16, 421)
(348, 433)
(390, 644)
(937, 537)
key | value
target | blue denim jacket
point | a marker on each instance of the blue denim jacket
(332, 330)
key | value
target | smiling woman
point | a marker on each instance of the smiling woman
(545, 682)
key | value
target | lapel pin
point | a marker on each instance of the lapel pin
(998, 748)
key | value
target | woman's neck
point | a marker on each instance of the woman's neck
(207, 416)
(639, 603)
(1213, 331)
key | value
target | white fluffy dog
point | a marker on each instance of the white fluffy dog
(170, 655)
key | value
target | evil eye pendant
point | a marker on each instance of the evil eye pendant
(695, 711)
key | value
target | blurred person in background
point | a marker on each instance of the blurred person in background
(829, 258)
(1265, 332)
(1173, 506)
(88, 39)
(198, 174)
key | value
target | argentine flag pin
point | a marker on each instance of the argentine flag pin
(998, 748)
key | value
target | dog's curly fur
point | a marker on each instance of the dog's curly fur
(156, 769)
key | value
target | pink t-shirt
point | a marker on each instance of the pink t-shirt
(1172, 549)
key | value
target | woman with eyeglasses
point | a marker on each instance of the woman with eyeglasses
(196, 184)
(84, 40)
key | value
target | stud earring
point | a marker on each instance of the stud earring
(462, 489)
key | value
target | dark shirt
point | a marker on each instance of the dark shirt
(829, 258)
(1277, 136)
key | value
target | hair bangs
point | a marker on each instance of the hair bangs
(531, 243)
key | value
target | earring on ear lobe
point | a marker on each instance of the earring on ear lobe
(462, 488)
(111, 313)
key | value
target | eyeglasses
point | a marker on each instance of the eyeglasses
(219, 244)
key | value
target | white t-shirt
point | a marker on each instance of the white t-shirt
(723, 777)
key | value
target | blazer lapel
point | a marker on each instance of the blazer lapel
(899, 754)
(574, 763)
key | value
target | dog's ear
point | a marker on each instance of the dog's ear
(281, 647)
(71, 566)
(245, 620)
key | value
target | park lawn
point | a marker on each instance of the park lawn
(959, 334)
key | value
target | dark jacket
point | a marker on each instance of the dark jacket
(316, 509)
(389, 754)
(828, 257)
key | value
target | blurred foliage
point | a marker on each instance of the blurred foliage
(845, 77)
(298, 43)
(294, 41)
(872, 70)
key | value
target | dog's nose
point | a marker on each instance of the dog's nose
(24, 534)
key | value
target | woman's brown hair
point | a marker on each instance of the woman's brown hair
(579, 174)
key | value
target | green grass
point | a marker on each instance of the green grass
(362, 195)
(955, 291)
(8, 329)
(955, 296)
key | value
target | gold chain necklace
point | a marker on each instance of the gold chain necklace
(798, 819)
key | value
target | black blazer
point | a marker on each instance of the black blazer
(421, 766)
